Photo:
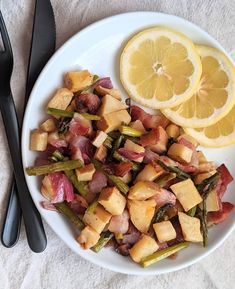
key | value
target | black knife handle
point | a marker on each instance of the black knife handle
(12, 221)
(32, 220)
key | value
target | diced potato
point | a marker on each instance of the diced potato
(161, 145)
(85, 173)
(110, 104)
(141, 213)
(143, 248)
(88, 237)
(138, 125)
(188, 138)
(112, 200)
(113, 120)
(97, 218)
(206, 167)
(190, 228)
(47, 189)
(78, 80)
(99, 139)
(212, 202)
(180, 153)
(143, 190)
(61, 99)
(111, 91)
(53, 136)
(38, 140)
(173, 131)
(173, 211)
(187, 194)
(126, 178)
(201, 157)
(131, 146)
(164, 231)
(48, 125)
(101, 153)
(201, 177)
(149, 173)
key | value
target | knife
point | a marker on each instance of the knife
(42, 48)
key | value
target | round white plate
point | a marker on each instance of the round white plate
(97, 48)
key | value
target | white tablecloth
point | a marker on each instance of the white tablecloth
(58, 267)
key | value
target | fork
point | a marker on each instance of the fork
(32, 220)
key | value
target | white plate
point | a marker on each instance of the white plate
(97, 48)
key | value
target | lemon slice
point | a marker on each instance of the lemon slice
(219, 134)
(160, 68)
(215, 95)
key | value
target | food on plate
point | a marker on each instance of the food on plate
(123, 177)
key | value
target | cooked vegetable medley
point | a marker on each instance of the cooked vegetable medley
(123, 177)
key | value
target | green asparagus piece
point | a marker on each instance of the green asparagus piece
(63, 125)
(103, 240)
(118, 157)
(51, 168)
(208, 184)
(92, 206)
(89, 116)
(180, 174)
(60, 112)
(95, 78)
(119, 183)
(165, 179)
(160, 213)
(116, 145)
(80, 186)
(127, 130)
(108, 142)
(162, 254)
(192, 211)
(114, 134)
(97, 164)
(202, 214)
(58, 155)
(64, 209)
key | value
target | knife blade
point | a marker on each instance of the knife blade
(42, 48)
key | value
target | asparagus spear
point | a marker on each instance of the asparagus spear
(51, 168)
(202, 214)
(103, 240)
(127, 130)
(108, 142)
(60, 112)
(64, 125)
(192, 211)
(180, 174)
(80, 186)
(162, 254)
(64, 209)
(116, 145)
(92, 206)
(165, 179)
(208, 184)
(89, 116)
(160, 213)
(119, 183)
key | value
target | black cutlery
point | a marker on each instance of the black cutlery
(32, 220)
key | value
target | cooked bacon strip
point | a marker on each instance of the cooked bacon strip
(119, 170)
(150, 156)
(150, 138)
(119, 224)
(148, 120)
(59, 143)
(81, 148)
(221, 215)
(78, 126)
(87, 102)
(163, 197)
(104, 82)
(98, 182)
(132, 235)
(132, 156)
(79, 204)
(47, 205)
(225, 175)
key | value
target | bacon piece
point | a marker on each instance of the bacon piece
(62, 187)
(130, 155)
(221, 215)
(79, 204)
(81, 148)
(98, 182)
(119, 170)
(87, 102)
(47, 205)
(104, 82)
(148, 120)
(59, 143)
(162, 245)
(150, 138)
(79, 126)
(225, 175)
(163, 197)
(123, 249)
(119, 224)
(150, 156)
(132, 235)
(40, 161)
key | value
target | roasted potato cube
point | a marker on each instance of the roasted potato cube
(126, 178)
(143, 248)
(188, 138)
(131, 146)
(101, 153)
(53, 136)
(201, 157)
(113, 120)
(143, 190)
(48, 125)
(61, 99)
(99, 139)
(85, 173)
(138, 125)
(97, 218)
(110, 104)
(78, 80)
(180, 153)
(149, 173)
(111, 91)
(201, 177)
(38, 140)
(88, 237)
(187, 194)
(190, 228)
(161, 146)
(212, 202)
(112, 200)
(173, 131)
(206, 167)
(164, 231)
(141, 213)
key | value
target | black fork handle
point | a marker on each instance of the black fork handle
(32, 220)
